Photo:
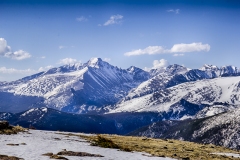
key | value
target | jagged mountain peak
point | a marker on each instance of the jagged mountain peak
(229, 68)
(176, 69)
(207, 67)
(96, 62)
(225, 68)
(65, 68)
(132, 69)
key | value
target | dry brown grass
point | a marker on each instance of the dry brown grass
(12, 130)
(167, 148)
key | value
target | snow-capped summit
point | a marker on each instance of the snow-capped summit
(176, 69)
(207, 67)
(228, 70)
(215, 71)
(95, 62)
(65, 68)
(138, 74)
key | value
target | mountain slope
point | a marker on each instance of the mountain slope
(51, 119)
(222, 129)
(176, 74)
(74, 88)
(204, 93)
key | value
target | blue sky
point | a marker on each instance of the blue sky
(37, 35)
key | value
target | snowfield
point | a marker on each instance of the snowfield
(32, 145)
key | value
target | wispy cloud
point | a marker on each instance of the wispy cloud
(149, 50)
(68, 61)
(192, 47)
(18, 55)
(45, 68)
(16, 71)
(176, 55)
(114, 19)
(81, 19)
(177, 48)
(107, 59)
(176, 11)
(6, 51)
(62, 47)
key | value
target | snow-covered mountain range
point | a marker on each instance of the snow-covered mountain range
(97, 86)
(222, 91)
(72, 88)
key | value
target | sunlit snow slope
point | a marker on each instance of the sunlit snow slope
(202, 93)
(75, 88)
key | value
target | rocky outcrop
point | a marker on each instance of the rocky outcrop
(4, 125)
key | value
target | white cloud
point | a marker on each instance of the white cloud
(193, 47)
(114, 19)
(176, 55)
(5, 51)
(183, 48)
(45, 68)
(162, 63)
(16, 71)
(81, 19)
(149, 50)
(61, 47)
(176, 11)
(68, 61)
(4, 48)
(18, 55)
(43, 57)
(107, 59)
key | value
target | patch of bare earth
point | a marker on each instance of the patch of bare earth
(5, 157)
(60, 155)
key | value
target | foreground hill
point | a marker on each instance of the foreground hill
(222, 129)
(44, 145)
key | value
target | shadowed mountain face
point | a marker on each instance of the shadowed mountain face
(222, 129)
(49, 119)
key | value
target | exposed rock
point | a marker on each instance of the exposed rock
(5, 157)
(80, 154)
(4, 125)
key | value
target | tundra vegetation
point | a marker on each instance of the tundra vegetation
(161, 147)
